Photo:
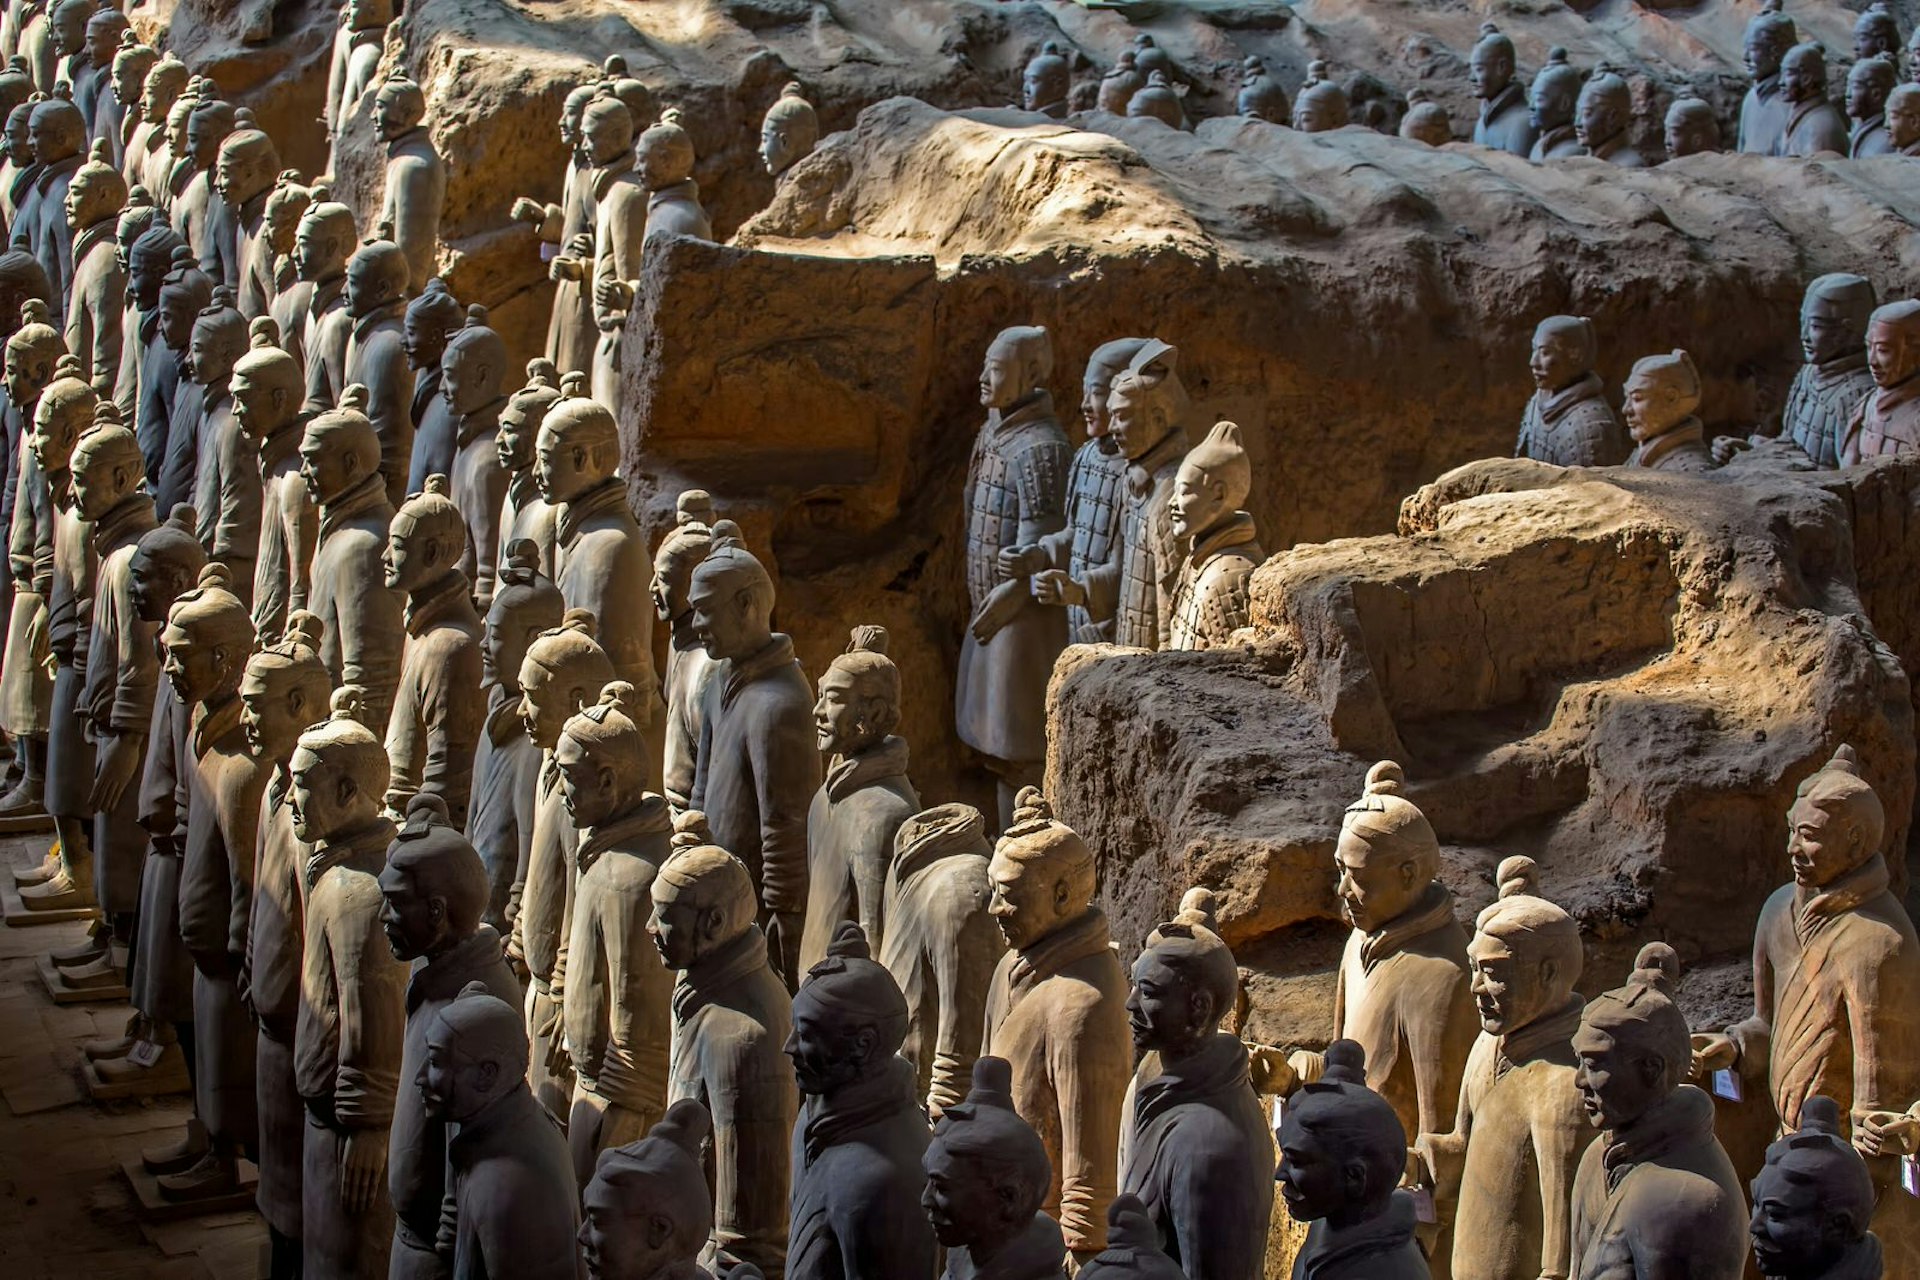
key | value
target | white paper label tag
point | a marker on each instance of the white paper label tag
(1279, 1112)
(548, 252)
(1726, 1085)
(1423, 1204)
(144, 1053)
(1910, 1175)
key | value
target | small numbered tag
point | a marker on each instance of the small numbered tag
(144, 1053)
(1726, 1085)
(1910, 1175)
(1279, 1113)
(1423, 1204)
(548, 252)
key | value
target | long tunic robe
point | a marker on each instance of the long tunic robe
(1505, 121)
(361, 616)
(506, 774)
(516, 1203)
(437, 707)
(857, 1182)
(850, 830)
(116, 697)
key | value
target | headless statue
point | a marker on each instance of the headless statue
(1812, 1202)
(430, 322)
(860, 1140)
(1552, 99)
(688, 662)
(1660, 406)
(1056, 1010)
(1505, 123)
(266, 389)
(731, 1021)
(1814, 124)
(97, 303)
(473, 387)
(376, 355)
(1765, 111)
(1212, 597)
(1868, 85)
(570, 331)
(1888, 421)
(865, 798)
(647, 1213)
(416, 186)
(227, 486)
(1655, 1194)
(789, 132)
(433, 890)
(942, 944)
(1568, 422)
(987, 1174)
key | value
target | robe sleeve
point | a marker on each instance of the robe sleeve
(372, 1015)
(786, 771)
(1754, 1036)
(1089, 1102)
(966, 941)
(1560, 1138)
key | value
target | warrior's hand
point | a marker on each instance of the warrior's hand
(1018, 562)
(529, 211)
(1713, 1051)
(1272, 1075)
(1887, 1133)
(363, 1170)
(1053, 586)
(1725, 447)
(565, 268)
(119, 760)
(614, 295)
(1002, 605)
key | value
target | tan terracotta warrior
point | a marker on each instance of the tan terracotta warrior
(433, 890)
(1765, 111)
(149, 157)
(416, 186)
(437, 707)
(987, 1173)
(1210, 600)
(1159, 100)
(352, 1027)
(428, 324)
(266, 406)
(1057, 1010)
(174, 160)
(1015, 497)
(1812, 1202)
(790, 130)
(1836, 972)
(564, 671)
(1093, 495)
(1888, 421)
(731, 1020)
(376, 356)
(321, 245)
(1568, 421)
(1552, 99)
(1505, 122)
(286, 205)
(203, 220)
(1044, 86)
(1814, 124)
(284, 689)
(617, 1016)
(227, 483)
(523, 512)
(1656, 1194)
(207, 639)
(1426, 121)
(865, 798)
(76, 67)
(1903, 119)
(59, 137)
(1200, 1152)
(758, 764)
(1120, 82)
(1835, 380)
(1661, 403)
(1690, 128)
(646, 1215)
(116, 116)
(243, 177)
(942, 944)
(506, 765)
(618, 228)
(1504, 1173)
(473, 384)
(26, 688)
(1603, 120)
(1321, 104)
(570, 331)
(96, 305)
(16, 156)
(1262, 96)
(357, 48)
(1868, 85)
(688, 661)
(340, 462)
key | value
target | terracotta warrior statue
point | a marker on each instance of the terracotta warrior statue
(1044, 87)
(117, 112)
(564, 671)
(244, 175)
(357, 48)
(1015, 497)
(58, 134)
(1505, 122)
(353, 1010)
(1504, 1173)
(1888, 421)
(1876, 33)
(790, 130)
(1690, 128)
(473, 376)
(1135, 588)
(570, 331)
(647, 1213)
(688, 662)
(523, 512)
(207, 639)
(96, 305)
(227, 487)
(376, 355)
(731, 1021)
(1568, 421)
(1660, 406)
(1655, 1194)
(1211, 598)
(664, 163)
(26, 688)
(1766, 110)
(1403, 989)
(1836, 971)
(1903, 119)
(1342, 1150)
(618, 222)
(427, 325)
(322, 243)
(1120, 83)
(516, 1207)
(433, 890)
(416, 186)
(1133, 1247)
(284, 689)
(364, 631)
(506, 764)
(1812, 1202)
(266, 390)
(1321, 104)
(1603, 120)
(987, 1174)
(1262, 96)
(1057, 1010)
(618, 993)
(1551, 101)
(1426, 121)
(149, 157)
(942, 944)
(1868, 85)
(1814, 124)
(1834, 381)
(865, 798)
(758, 764)
(860, 1139)
(437, 707)
(1200, 1154)
(1159, 100)
(149, 373)
(199, 215)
